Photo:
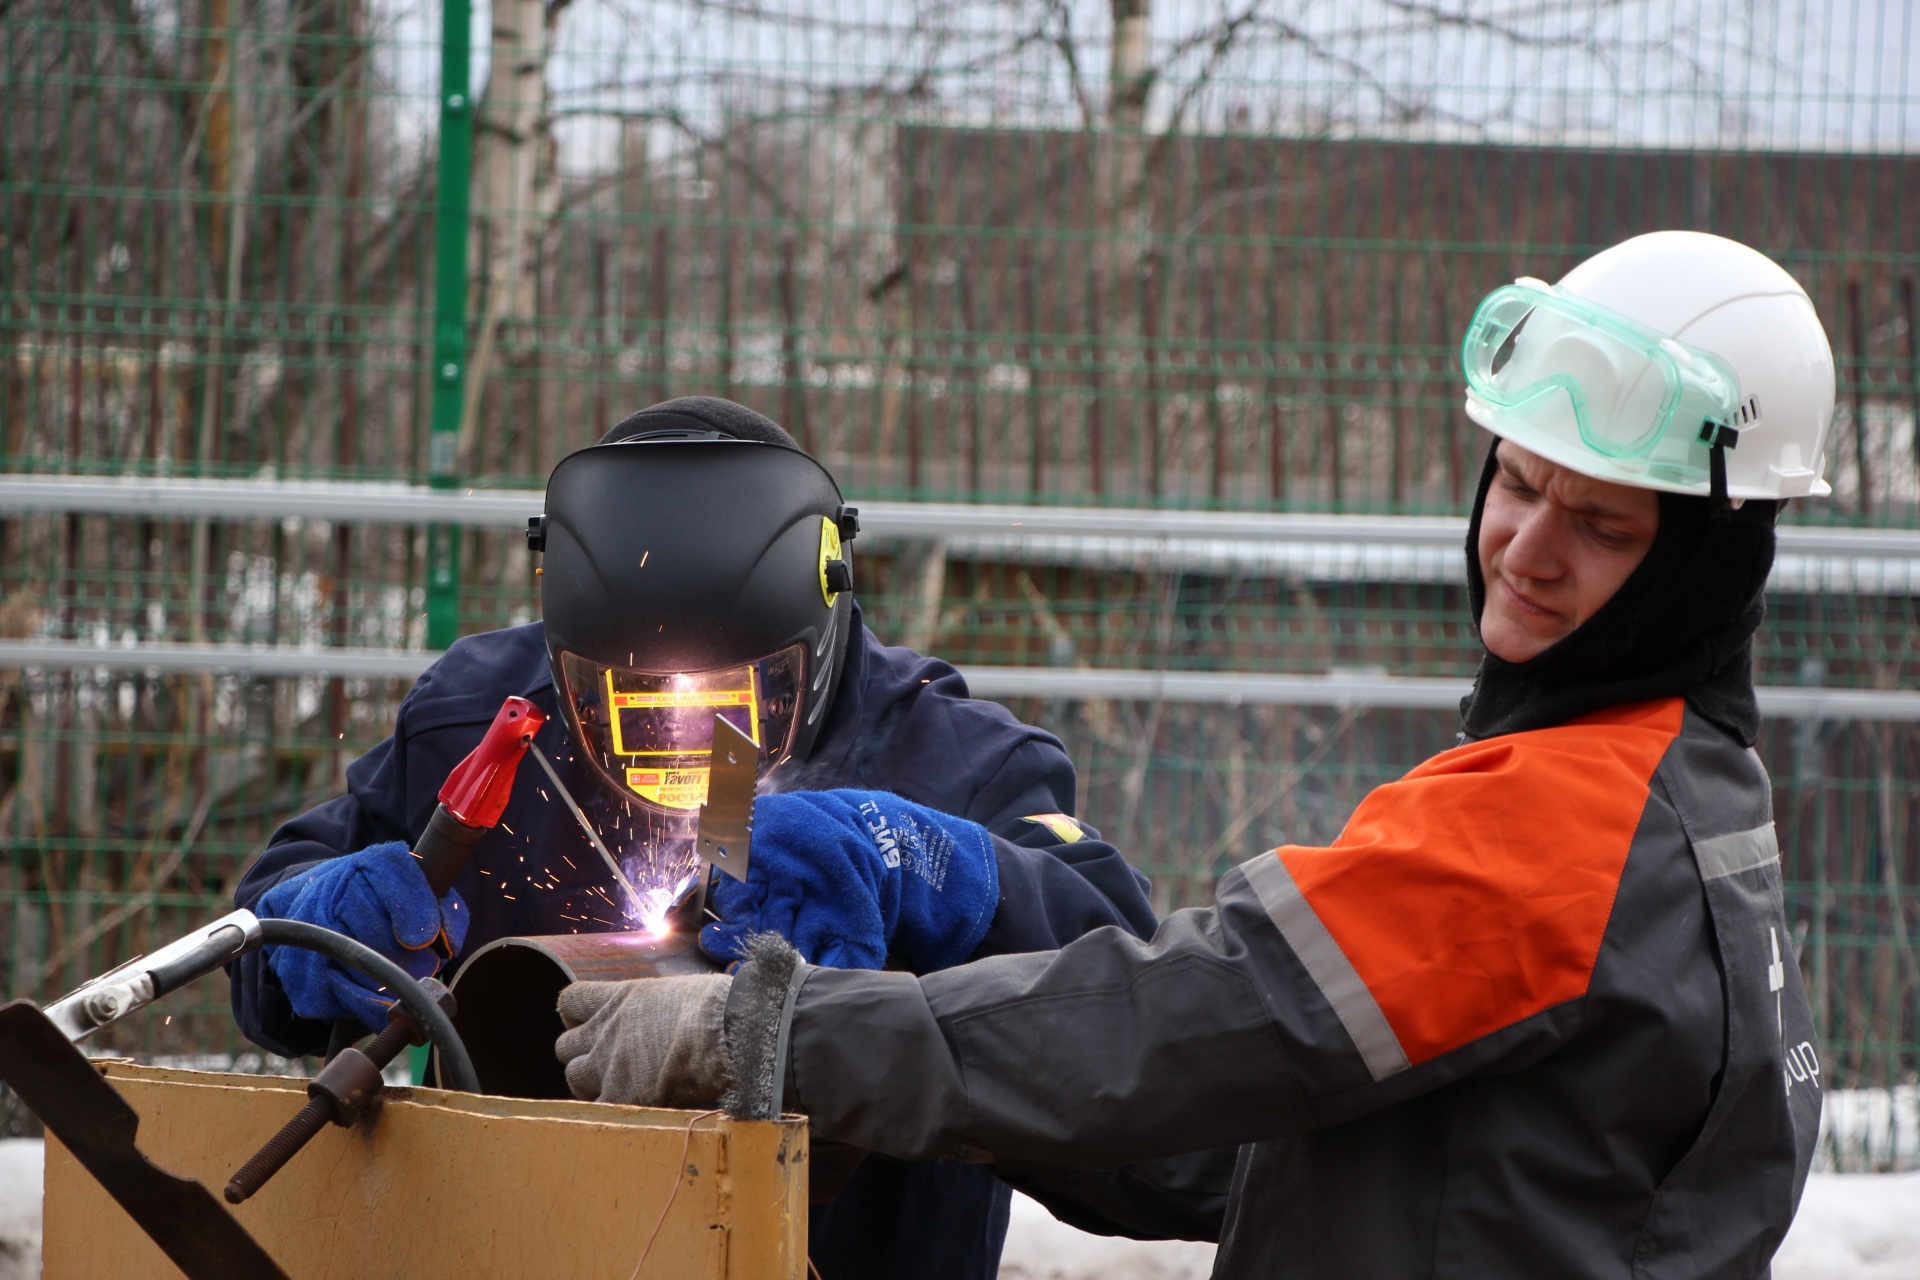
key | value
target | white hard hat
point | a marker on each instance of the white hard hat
(1657, 363)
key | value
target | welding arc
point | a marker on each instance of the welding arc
(620, 877)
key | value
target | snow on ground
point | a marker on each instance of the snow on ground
(1039, 1247)
(20, 1164)
(1852, 1226)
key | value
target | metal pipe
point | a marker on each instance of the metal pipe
(506, 992)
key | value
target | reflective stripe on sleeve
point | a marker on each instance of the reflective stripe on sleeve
(1327, 965)
(1736, 852)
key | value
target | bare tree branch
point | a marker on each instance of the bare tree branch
(720, 144)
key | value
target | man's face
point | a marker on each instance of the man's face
(1554, 547)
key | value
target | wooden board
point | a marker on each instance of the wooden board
(441, 1183)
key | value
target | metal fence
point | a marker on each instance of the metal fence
(1051, 253)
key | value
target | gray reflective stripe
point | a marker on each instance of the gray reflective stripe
(1741, 851)
(1327, 965)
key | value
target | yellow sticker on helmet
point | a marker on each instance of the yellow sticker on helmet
(829, 550)
(671, 788)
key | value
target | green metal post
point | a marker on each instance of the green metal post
(449, 312)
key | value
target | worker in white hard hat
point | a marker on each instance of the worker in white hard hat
(1535, 1012)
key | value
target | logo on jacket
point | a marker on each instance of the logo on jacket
(1064, 829)
(1803, 1064)
(1802, 1060)
(1777, 982)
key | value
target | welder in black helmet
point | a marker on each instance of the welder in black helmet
(696, 562)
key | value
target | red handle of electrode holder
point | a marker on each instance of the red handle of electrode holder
(476, 791)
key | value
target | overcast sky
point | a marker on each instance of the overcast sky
(1769, 74)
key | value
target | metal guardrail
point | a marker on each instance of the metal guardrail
(394, 503)
(1334, 689)
(170, 656)
(1320, 547)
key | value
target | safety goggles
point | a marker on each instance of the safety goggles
(650, 733)
(1532, 349)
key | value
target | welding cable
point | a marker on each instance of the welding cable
(455, 1066)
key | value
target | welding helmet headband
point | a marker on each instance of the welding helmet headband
(688, 576)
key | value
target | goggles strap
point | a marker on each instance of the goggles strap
(1717, 474)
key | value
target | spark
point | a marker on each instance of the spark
(544, 795)
(169, 1021)
(509, 830)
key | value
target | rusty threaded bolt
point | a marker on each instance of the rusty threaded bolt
(392, 1040)
(279, 1149)
(341, 1093)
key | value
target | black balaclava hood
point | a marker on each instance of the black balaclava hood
(1682, 624)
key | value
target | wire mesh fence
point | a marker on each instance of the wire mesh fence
(1127, 253)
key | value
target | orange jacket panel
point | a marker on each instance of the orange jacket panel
(1437, 891)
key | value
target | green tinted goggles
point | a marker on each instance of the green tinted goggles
(1531, 349)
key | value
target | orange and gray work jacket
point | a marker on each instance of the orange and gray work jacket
(1534, 1014)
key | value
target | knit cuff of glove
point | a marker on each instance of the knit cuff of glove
(759, 1011)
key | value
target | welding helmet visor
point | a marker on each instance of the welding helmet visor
(1593, 389)
(649, 734)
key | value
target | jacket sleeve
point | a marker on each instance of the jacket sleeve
(1448, 932)
(373, 810)
(1179, 1198)
(1058, 878)
(1110, 1051)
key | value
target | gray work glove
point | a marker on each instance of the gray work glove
(651, 1042)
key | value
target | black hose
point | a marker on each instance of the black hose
(455, 1066)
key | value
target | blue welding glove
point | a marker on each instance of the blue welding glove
(851, 876)
(378, 896)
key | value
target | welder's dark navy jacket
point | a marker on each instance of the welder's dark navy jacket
(900, 722)
(1534, 1014)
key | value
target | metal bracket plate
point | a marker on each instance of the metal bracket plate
(726, 819)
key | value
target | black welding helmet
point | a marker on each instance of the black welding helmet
(695, 565)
